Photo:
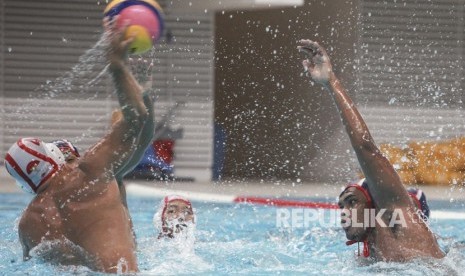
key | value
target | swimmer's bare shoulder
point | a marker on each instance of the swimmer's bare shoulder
(41, 231)
(405, 243)
(59, 223)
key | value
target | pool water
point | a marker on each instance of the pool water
(241, 239)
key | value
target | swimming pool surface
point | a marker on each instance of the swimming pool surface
(241, 239)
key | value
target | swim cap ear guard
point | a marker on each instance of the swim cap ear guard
(32, 162)
(66, 147)
(419, 198)
(362, 186)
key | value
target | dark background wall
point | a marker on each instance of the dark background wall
(280, 126)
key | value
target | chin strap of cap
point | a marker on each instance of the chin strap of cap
(362, 186)
(366, 247)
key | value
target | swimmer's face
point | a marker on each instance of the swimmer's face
(353, 201)
(70, 158)
(68, 150)
(176, 215)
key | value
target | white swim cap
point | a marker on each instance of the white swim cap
(32, 162)
(158, 218)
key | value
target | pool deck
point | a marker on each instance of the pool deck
(256, 188)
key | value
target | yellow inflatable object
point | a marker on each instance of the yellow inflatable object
(429, 163)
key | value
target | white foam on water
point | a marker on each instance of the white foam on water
(437, 214)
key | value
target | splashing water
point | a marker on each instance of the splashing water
(82, 77)
(61, 103)
(76, 105)
(241, 239)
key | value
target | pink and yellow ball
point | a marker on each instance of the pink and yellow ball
(144, 20)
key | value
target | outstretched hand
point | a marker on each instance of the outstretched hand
(118, 45)
(317, 62)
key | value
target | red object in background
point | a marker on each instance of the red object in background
(164, 150)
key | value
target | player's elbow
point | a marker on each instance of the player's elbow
(142, 117)
(136, 119)
(140, 120)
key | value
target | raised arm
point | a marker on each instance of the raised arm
(143, 70)
(385, 185)
(113, 152)
(144, 140)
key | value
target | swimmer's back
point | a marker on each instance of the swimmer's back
(62, 216)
